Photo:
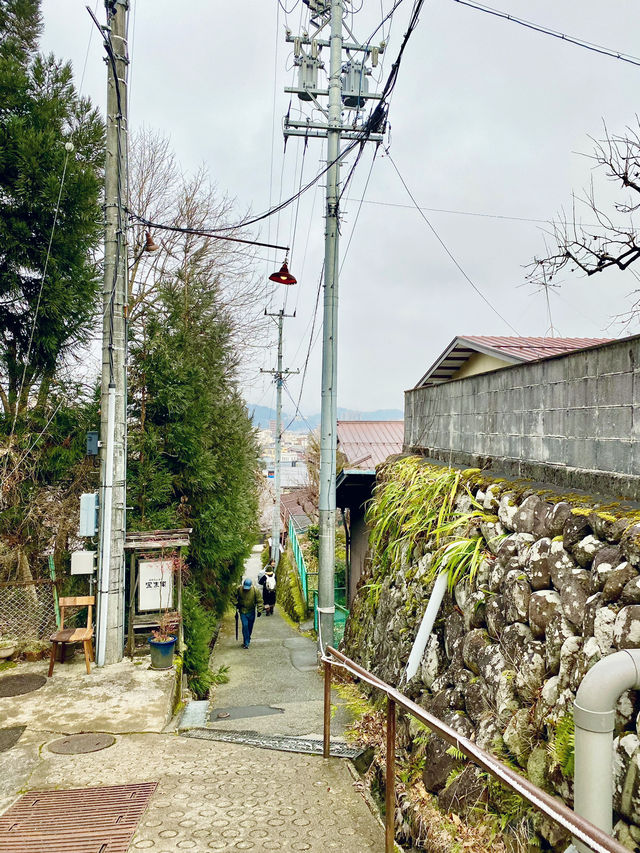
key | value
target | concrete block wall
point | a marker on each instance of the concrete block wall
(572, 419)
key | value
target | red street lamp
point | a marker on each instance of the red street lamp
(283, 276)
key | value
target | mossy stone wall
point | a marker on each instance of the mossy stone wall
(557, 589)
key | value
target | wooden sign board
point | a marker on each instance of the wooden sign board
(155, 585)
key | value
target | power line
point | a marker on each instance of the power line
(448, 251)
(538, 28)
(200, 232)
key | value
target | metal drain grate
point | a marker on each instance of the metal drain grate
(282, 743)
(17, 685)
(80, 744)
(85, 820)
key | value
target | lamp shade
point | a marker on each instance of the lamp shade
(149, 244)
(283, 276)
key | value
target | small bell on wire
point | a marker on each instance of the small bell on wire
(150, 245)
(283, 276)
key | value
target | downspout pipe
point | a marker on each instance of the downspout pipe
(426, 626)
(594, 718)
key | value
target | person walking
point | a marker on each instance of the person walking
(268, 582)
(248, 603)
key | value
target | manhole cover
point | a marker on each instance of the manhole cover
(282, 743)
(10, 737)
(79, 744)
(17, 685)
(242, 712)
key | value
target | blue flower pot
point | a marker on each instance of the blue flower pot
(162, 653)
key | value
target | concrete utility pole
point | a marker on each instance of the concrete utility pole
(278, 373)
(349, 91)
(113, 425)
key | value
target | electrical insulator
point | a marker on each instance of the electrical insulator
(307, 76)
(354, 84)
(374, 56)
(318, 7)
(314, 49)
(297, 46)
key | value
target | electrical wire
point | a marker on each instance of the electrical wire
(198, 232)
(297, 405)
(355, 221)
(448, 251)
(288, 11)
(310, 347)
(595, 48)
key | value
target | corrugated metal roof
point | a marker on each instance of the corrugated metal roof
(366, 444)
(530, 349)
(511, 350)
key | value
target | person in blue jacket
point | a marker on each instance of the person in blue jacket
(248, 603)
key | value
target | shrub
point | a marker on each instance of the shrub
(199, 625)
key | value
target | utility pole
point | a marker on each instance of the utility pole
(347, 88)
(111, 568)
(279, 373)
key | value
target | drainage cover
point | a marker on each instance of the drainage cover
(10, 737)
(282, 743)
(85, 820)
(242, 712)
(16, 685)
(79, 744)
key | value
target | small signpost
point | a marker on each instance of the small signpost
(155, 579)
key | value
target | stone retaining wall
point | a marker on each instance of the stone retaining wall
(558, 589)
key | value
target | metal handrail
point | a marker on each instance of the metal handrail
(299, 558)
(581, 829)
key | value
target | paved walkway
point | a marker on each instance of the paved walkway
(211, 795)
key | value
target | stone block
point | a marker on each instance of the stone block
(615, 422)
(626, 630)
(614, 389)
(543, 605)
(582, 422)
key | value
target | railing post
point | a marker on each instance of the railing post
(390, 781)
(326, 744)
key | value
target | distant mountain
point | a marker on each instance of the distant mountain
(262, 417)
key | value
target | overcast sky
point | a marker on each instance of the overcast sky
(488, 118)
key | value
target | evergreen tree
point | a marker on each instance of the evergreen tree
(43, 415)
(41, 182)
(193, 453)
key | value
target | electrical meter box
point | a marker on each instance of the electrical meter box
(89, 514)
(92, 444)
(83, 562)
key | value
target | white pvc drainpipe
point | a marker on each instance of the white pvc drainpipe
(594, 717)
(426, 626)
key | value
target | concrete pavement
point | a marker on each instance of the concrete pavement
(211, 795)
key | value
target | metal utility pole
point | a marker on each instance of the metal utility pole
(278, 373)
(347, 89)
(111, 567)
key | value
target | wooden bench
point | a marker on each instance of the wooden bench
(74, 635)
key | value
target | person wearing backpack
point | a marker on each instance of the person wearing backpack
(268, 582)
(248, 603)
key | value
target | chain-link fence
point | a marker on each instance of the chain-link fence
(27, 610)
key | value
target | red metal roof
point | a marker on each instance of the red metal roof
(366, 444)
(530, 349)
(512, 350)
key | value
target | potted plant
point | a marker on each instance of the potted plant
(163, 640)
